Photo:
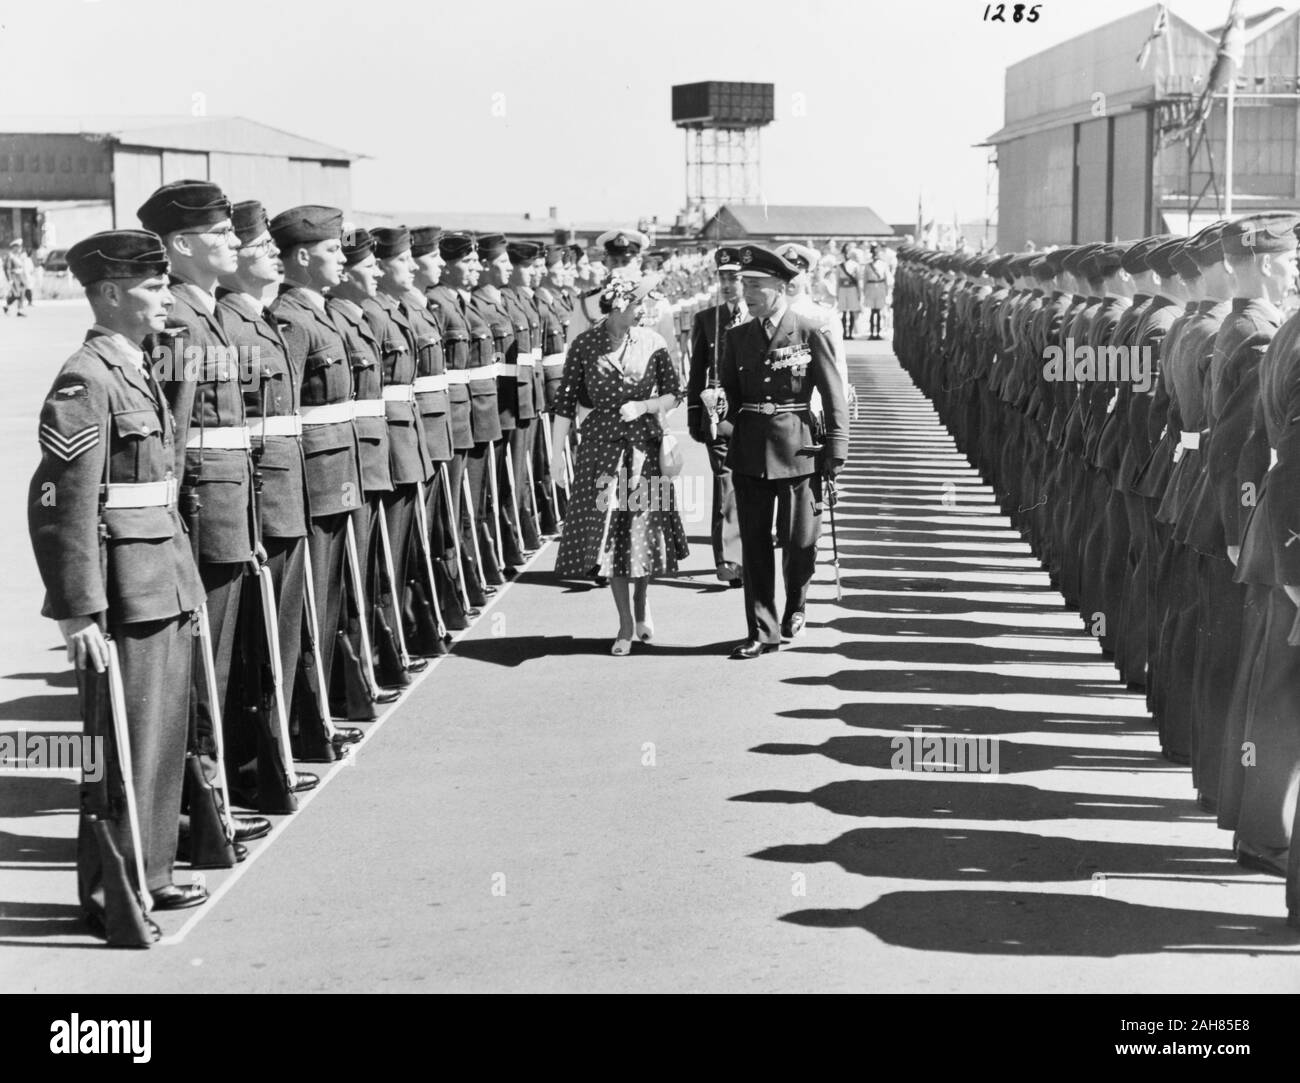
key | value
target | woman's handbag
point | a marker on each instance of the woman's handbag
(670, 457)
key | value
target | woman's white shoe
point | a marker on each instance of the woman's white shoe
(621, 648)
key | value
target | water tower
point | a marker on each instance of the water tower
(721, 122)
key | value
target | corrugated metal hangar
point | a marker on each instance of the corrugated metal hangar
(63, 178)
(1082, 154)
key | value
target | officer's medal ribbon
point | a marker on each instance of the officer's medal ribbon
(794, 358)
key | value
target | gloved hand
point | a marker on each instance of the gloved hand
(630, 411)
(833, 467)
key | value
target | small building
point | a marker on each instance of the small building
(773, 224)
(62, 178)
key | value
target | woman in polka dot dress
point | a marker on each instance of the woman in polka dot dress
(622, 519)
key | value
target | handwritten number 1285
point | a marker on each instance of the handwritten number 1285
(996, 13)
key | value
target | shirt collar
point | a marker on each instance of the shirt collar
(203, 297)
(313, 296)
(122, 346)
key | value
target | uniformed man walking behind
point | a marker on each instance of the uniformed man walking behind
(769, 368)
(115, 563)
(703, 408)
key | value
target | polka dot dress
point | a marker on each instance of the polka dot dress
(622, 517)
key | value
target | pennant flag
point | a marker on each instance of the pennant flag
(1230, 55)
(1158, 30)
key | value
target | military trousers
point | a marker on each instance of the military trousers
(326, 550)
(724, 518)
(481, 461)
(1272, 733)
(156, 659)
(796, 502)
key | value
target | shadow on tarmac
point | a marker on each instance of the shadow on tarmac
(1031, 923)
(1014, 757)
(923, 797)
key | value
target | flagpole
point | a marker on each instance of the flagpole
(1227, 152)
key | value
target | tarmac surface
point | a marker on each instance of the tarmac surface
(537, 815)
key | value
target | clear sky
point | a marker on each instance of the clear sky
(513, 106)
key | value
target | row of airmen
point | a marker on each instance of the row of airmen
(286, 462)
(1136, 407)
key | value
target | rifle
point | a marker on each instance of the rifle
(532, 492)
(550, 458)
(126, 905)
(272, 666)
(212, 831)
(386, 552)
(122, 738)
(466, 499)
(422, 530)
(358, 590)
(495, 517)
(313, 637)
(445, 481)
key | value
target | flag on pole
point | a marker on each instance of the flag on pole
(1230, 56)
(1158, 30)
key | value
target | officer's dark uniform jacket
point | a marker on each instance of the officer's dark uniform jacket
(408, 456)
(102, 404)
(419, 319)
(1187, 377)
(1111, 440)
(1217, 515)
(206, 395)
(269, 384)
(1163, 421)
(708, 328)
(368, 388)
(467, 345)
(490, 307)
(319, 358)
(784, 371)
(1098, 395)
(526, 322)
(1270, 550)
(554, 309)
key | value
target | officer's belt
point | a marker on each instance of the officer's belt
(529, 359)
(329, 414)
(505, 369)
(490, 371)
(1189, 440)
(553, 361)
(369, 408)
(280, 425)
(430, 383)
(458, 376)
(220, 438)
(399, 393)
(142, 494)
(773, 407)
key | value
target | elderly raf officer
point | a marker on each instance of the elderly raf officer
(769, 368)
(114, 558)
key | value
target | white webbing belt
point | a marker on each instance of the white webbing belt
(222, 438)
